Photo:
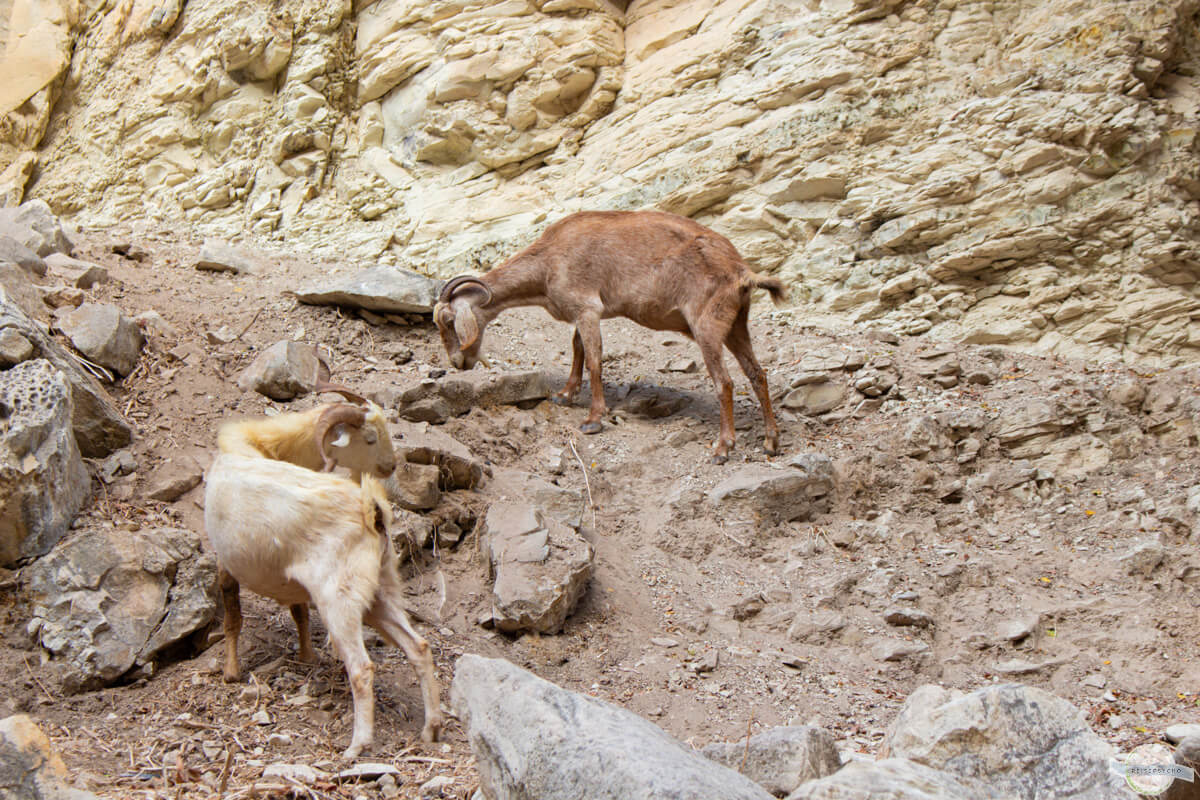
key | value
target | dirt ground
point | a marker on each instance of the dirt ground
(672, 584)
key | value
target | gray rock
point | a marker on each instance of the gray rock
(99, 427)
(875, 382)
(384, 289)
(14, 252)
(532, 739)
(60, 296)
(34, 225)
(29, 768)
(1129, 394)
(217, 255)
(106, 336)
(21, 290)
(80, 274)
(780, 759)
(1182, 730)
(890, 779)
(284, 371)
(1143, 558)
(771, 495)
(565, 505)
(680, 365)
(813, 399)
(1021, 628)
(43, 482)
(414, 486)
(457, 393)
(1017, 740)
(896, 650)
(541, 567)
(106, 600)
(815, 626)
(172, 482)
(458, 468)
(14, 348)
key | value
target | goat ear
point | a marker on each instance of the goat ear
(443, 315)
(466, 327)
(342, 438)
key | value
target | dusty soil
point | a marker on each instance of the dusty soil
(976, 559)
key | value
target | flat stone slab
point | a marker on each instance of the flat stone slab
(383, 289)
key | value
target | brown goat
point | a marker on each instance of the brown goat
(663, 271)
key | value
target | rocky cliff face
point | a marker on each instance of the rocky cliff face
(1022, 172)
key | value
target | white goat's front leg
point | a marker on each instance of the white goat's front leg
(388, 617)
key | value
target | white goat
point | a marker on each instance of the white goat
(299, 536)
(353, 435)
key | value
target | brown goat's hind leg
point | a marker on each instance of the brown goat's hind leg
(739, 344)
(720, 377)
(588, 328)
(304, 631)
(231, 600)
(567, 395)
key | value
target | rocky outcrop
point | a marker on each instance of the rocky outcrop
(431, 400)
(780, 759)
(43, 482)
(106, 600)
(284, 371)
(99, 428)
(533, 739)
(1022, 173)
(540, 566)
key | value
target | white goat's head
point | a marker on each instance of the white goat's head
(354, 435)
(459, 321)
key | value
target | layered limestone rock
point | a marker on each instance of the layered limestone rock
(1020, 172)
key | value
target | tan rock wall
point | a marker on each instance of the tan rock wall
(1023, 172)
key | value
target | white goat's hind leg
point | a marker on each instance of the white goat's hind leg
(389, 618)
(344, 624)
(304, 631)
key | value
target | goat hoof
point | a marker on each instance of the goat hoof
(771, 449)
(352, 752)
(590, 427)
(718, 459)
(232, 677)
(432, 731)
(561, 399)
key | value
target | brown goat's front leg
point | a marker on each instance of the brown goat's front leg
(588, 329)
(567, 395)
(232, 602)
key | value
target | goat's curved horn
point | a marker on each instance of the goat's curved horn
(335, 388)
(342, 413)
(462, 280)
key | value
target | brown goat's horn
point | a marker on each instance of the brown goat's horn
(342, 413)
(335, 388)
(462, 280)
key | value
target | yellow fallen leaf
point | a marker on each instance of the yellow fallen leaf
(1090, 513)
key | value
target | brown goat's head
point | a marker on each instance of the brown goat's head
(459, 321)
(354, 435)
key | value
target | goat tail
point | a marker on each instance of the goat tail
(377, 511)
(774, 286)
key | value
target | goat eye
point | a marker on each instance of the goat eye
(369, 436)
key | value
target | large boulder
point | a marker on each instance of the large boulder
(1019, 741)
(532, 739)
(43, 482)
(99, 428)
(14, 252)
(541, 568)
(383, 289)
(106, 600)
(29, 767)
(780, 759)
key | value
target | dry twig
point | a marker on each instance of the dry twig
(586, 482)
